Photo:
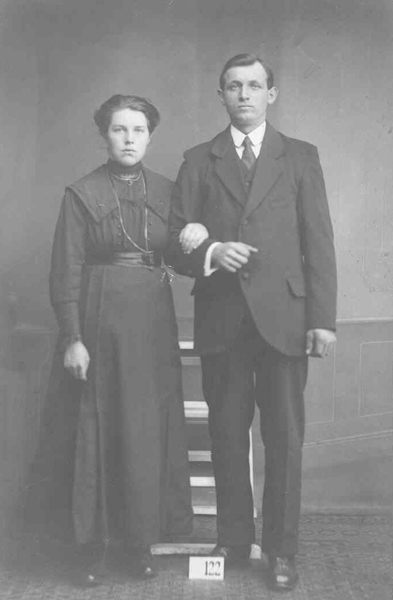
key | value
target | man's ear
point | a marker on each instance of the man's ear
(221, 96)
(272, 95)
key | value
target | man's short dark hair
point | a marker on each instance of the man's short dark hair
(246, 60)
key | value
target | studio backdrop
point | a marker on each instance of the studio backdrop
(60, 59)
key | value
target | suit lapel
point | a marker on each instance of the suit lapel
(227, 166)
(268, 169)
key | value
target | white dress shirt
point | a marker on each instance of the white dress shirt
(256, 137)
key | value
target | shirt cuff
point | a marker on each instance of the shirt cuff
(207, 267)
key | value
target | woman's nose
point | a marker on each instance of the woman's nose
(128, 137)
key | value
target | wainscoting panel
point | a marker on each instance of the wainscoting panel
(348, 447)
(349, 409)
(376, 378)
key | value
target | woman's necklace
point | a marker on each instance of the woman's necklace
(129, 238)
(130, 179)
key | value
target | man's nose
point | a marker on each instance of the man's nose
(128, 137)
(244, 92)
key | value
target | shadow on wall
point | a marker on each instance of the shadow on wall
(25, 361)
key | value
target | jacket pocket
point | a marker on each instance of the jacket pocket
(297, 286)
(278, 201)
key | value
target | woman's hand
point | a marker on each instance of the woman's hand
(192, 236)
(76, 360)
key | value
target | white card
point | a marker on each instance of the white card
(206, 567)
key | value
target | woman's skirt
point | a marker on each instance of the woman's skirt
(127, 448)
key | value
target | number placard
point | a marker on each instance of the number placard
(206, 567)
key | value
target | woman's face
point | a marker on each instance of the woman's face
(127, 137)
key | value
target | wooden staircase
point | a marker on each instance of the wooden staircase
(202, 477)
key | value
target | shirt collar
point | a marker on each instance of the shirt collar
(256, 136)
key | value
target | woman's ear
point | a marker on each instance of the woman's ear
(102, 142)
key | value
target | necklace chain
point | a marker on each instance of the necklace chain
(130, 179)
(129, 238)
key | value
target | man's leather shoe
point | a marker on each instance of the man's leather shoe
(233, 554)
(282, 573)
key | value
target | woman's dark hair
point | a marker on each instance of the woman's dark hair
(246, 60)
(103, 116)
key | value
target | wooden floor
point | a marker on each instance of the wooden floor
(341, 558)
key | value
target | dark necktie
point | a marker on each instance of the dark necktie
(248, 157)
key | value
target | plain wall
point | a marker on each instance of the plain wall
(332, 63)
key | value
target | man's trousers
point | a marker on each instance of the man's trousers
(250, 372)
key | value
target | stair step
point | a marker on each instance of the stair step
(203, 496)
(196, 410)
(200, 509)
(201, 469)
(186, 344)
(199, 456)
(196, 549)
(188, 548)
(202, 474)
(199, 481)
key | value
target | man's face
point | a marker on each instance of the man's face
(246, 96)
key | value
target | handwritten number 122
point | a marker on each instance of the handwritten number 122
(212, 568)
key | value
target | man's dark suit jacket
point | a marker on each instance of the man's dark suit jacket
(290, 284)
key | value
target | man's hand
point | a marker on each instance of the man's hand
(232, 256)
(76, 360)
(319, 342)
(192, 236)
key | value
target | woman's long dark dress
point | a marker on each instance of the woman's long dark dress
(125, 449)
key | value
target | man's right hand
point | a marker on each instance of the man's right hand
(231, 256)
(76, 360)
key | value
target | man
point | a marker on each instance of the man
(265, 300)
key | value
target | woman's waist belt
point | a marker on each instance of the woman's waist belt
(128, 259)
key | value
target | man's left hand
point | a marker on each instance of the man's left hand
(319, 342)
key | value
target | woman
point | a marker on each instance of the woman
(118, 342)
